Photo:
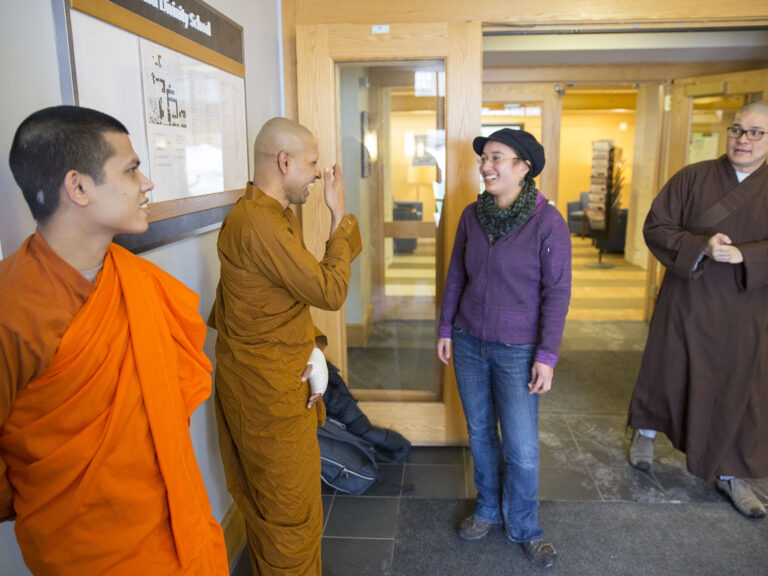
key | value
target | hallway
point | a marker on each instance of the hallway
(603, 516)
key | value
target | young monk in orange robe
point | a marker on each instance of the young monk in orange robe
(266, 413)
(101, 367)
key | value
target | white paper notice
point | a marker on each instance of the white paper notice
(195, 119)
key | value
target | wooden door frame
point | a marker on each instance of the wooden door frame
(679, 116)
(551, 113)
(318, 49)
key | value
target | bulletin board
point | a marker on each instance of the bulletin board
(152, 65)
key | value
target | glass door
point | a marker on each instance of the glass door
(392, 122)
(398, 105)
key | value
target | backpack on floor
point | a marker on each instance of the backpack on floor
(348, 463)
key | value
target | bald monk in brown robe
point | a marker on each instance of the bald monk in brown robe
(101, 367)
(704, 376)
(267, 415)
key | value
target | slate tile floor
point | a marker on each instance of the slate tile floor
(583, 442)
(586, 463)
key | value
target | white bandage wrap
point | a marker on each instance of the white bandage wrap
(318, 378)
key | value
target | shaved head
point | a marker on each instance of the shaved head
(758, 107)
(285, 161)
(280, 134)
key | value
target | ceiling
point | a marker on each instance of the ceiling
(520, 48)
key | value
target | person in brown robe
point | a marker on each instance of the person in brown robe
(267, 416)
(704, 376)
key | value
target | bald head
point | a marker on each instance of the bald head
(285, 161)
(757, 107)
(280, 134)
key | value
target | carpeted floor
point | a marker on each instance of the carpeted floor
(592, 539)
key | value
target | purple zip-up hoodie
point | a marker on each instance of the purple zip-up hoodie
(516, 291)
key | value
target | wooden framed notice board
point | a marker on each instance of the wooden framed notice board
(173, 73)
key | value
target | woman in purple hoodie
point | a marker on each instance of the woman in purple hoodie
(504, 308)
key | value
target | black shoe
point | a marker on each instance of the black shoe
(540, 552)
(473, 529)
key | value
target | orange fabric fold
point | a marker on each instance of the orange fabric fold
(97, 447)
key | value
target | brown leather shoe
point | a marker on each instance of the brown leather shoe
(540, 552)
(742, 497)
(472, 529)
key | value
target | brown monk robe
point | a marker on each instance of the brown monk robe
(704, 375)
(269, 280)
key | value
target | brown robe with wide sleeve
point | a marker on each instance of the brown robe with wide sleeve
(704, 375)
(268, 438)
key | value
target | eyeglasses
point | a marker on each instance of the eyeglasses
(495, 159)
(736, 132)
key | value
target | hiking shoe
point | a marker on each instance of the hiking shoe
(742, 497)
(641, 452)
(540, 552)
(473, 528)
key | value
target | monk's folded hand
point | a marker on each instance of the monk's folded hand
(720, 249)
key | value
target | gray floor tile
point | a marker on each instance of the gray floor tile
(357, 557)
(592, 382)
(681, 486)
(567, 484)
(451, 455)
(556, 444)
(626, 483)
(327, 505)
(390, 481)
(362, 517)
(435, 481)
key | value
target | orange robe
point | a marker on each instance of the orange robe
(97, 385)
(268, 437)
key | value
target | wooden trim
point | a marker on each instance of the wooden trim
(423, 423)
(551, 115)
(742, 82)
(409, 229)
(389, 395)
(127, 20)
(551, 112)
(191, 204)
(548, 13)
(614, 73)
(233, 526)
(359, 40)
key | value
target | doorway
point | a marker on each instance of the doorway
(429, 160)
(393, 149)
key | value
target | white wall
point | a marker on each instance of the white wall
(28, 62)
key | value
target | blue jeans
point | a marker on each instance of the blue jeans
(493, 385)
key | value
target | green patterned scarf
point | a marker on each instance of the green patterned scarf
(498, 222)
